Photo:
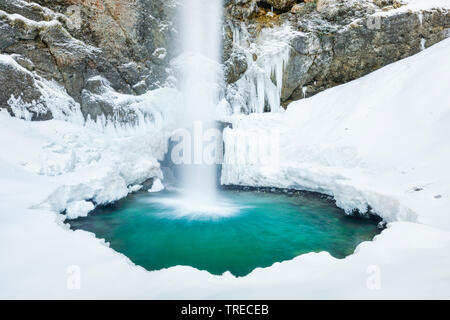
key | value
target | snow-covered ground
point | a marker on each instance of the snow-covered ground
(380, 141)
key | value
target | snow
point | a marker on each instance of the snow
(380, 141)
(160, 53)
(370, 142)
(157, 186)
(415, 5)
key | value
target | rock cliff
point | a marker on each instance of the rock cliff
(274, 51)
(331, 42)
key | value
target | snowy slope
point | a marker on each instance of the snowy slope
(381, 141)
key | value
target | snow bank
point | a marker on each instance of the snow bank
(380, 141)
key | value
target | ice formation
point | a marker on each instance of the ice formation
(259, 89)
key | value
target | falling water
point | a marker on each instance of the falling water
(201, 23)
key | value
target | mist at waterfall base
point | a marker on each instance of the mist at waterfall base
(200, 80)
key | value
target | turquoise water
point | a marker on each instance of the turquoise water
(248, 230)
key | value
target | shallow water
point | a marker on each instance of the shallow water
(246, 231)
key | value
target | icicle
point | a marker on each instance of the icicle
(267, 58)
(423, 41)
(304, 90)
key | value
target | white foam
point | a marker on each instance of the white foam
(180, 207)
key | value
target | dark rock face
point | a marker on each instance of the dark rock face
(127, 42)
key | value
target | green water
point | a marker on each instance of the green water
(255, 230)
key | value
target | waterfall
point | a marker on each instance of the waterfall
(201, 78)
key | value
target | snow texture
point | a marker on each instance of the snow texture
(157, 186)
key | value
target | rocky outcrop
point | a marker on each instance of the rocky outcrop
(128, 43)
(335, 41)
